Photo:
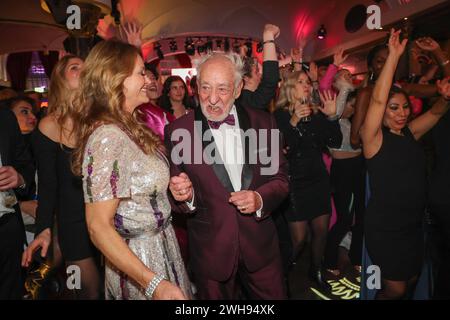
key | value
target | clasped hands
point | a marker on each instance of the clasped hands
(246, 201)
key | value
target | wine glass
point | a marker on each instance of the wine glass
(303, 101)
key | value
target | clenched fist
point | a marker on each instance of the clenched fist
(181, 187)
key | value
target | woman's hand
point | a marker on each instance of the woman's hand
(41, 241)
(329, 103)
(302, 110)
(168, 291)
(131, 32)
(181, 187)
(396, 48)
(339, 57)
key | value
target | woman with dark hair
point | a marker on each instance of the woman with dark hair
(60, 192)
(22, 106)
(310, 191)
(125, 179)
(175, 97)
(397, 175)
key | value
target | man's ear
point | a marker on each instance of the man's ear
(238, 90)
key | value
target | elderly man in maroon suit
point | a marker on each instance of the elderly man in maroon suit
(219, 177)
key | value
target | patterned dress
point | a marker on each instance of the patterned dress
(114, 167)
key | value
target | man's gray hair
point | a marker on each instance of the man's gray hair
(234, 58)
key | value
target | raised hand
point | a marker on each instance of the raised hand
(427, 44)
(271, 32)
(339, 57)
(396, 47)
(329, 103)
(296, 55)
(131, 32)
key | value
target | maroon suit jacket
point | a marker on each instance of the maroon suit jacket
(218, 232)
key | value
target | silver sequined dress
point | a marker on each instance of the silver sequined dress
(115, 167)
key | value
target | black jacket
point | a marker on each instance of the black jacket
(261, 97)
(13, 150)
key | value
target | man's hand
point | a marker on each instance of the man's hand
(9, 178)
(246, 201)
(181, 187)
(271, 32)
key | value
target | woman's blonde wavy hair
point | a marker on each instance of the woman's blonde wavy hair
(60, 94)
(100, 99)
(286, 98)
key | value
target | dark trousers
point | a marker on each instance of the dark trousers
(12, 235)
(348, 186)
(264, 284)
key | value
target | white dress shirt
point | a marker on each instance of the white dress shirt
(229, 145)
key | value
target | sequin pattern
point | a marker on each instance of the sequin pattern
(143, 215)
(114, 177)
(89, 172)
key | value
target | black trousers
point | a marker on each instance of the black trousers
(12, 236)
(348, 187)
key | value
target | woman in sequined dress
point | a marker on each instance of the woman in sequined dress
(125, 179)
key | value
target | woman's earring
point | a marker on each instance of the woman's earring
(372, 76)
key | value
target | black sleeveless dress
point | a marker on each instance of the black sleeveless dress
(393, 223)
(61, 193)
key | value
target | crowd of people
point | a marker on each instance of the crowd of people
(99, 174)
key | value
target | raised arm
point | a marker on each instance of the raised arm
(371, 131)
(271, 32)
(327, 81)
(426, 121)
(428, 44)
(361, 105)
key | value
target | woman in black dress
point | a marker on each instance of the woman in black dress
(59, 190)
(310, 192)
(397, 176)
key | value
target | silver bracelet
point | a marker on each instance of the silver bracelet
(152, 286)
